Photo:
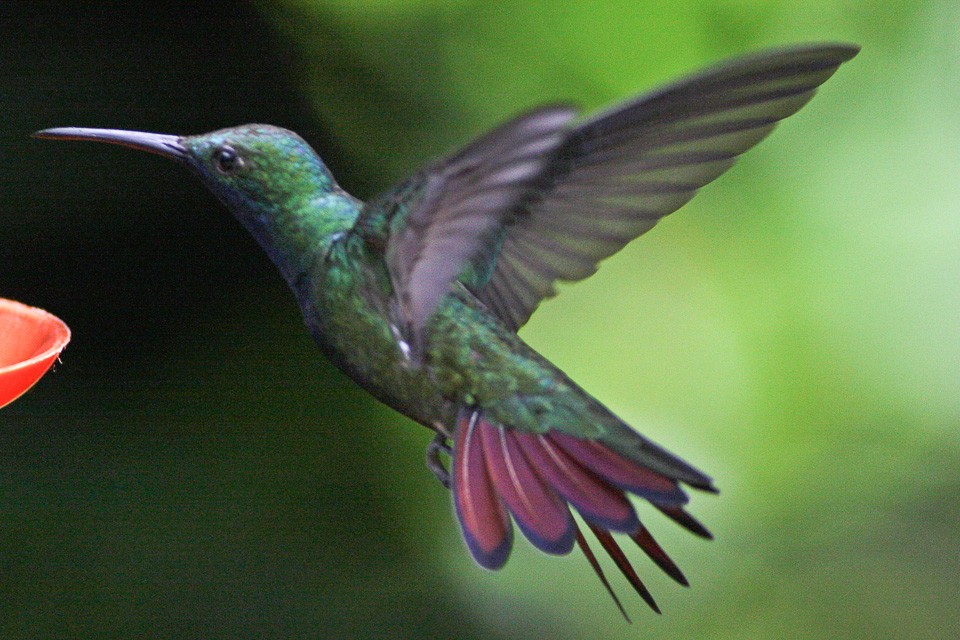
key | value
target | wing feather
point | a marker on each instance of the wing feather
(436, 225)
(619, 172)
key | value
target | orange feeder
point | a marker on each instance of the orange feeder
(30, 340)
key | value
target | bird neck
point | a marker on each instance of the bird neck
(298, 231)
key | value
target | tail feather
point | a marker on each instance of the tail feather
(656, 553)
(620, 559)
(620, 471)
(498, 472)
(540, 513)
(685, 520)
(486, 523)
(592, 559)
(595, 499)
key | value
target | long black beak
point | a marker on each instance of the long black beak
(164, 145)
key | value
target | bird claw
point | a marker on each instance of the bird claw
(437, 446)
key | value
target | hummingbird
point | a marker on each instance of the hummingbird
(418, 294)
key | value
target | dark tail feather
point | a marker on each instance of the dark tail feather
(656, 553)
(592, 559)
(483, 518)
(685, 520)
(616, 553)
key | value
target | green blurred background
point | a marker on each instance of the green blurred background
(195, 469)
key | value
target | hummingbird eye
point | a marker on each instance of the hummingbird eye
(227, 160)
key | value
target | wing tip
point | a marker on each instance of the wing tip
(835, 50)
(831, 52)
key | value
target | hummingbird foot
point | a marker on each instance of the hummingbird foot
(437, 446)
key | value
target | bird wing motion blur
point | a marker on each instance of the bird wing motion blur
(418, 294)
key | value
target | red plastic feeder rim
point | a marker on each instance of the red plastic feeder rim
(30, 340)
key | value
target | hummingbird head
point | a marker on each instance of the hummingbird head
(269, 177)
(252, 167)
(256, 168)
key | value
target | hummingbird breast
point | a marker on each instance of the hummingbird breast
(345, 306)
(470, 358)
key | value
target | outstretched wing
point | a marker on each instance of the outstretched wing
(432, 226)
(618, 173)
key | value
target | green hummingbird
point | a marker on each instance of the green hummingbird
(418, 294)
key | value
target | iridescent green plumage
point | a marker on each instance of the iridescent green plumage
(418, 294)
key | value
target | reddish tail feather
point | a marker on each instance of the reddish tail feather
(498, 473)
